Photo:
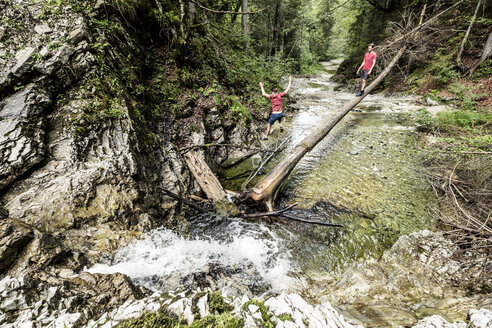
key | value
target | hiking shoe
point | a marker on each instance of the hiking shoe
(265, 138)
(281, 129)
(360, 93)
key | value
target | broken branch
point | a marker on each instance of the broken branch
(181, 199)
(220, 145)
(281, 213)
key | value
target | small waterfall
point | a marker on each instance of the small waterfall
(243, 258)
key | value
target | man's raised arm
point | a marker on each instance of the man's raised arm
(288, 87)
(263, 93)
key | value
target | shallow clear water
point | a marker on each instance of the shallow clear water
(365, 174)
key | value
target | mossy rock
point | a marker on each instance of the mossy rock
(263, 310)
(160, 319)
(217, 304)
(225, 320)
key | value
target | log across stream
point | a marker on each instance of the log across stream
(365, 175)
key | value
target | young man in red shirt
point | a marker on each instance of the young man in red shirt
(277, 100)
(367, 65)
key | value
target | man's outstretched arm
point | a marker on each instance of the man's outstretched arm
(263, 93)
(288, 87)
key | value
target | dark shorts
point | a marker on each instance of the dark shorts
(364, 75)
(275, 117)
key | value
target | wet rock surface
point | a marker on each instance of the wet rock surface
(45, 299)
(476, 319)
(419, 276)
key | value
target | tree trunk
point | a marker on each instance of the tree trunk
(465, 38)
(266, 189)
(244, 22)
(275, 29)
(487, 51)
(205, 177)
(191, 10)
(234, 15)
(182, 19)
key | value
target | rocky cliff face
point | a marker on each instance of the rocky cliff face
(80, 162)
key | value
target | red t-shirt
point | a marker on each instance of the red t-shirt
(277, 101)
(368, 60)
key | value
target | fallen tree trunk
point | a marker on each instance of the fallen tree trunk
(266, 189)
(205, 177)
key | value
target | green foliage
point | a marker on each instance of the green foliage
(160, 319)
(18, 86)
(460, 118)
(263, 310)
(7, 55)
(115, 109)
(242, 71)
(425, 118)
(440, 67)
(484, 70)
(224, 320)
(50, 7)
(11, 23)
(465, 95)
(213, 89)
(232, 104)
(217, 304)
(464, 119)
(469, 142)
(447, 74)
(286, 317)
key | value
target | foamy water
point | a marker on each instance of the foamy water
(162, 260)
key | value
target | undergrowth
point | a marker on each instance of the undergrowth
(221, 317)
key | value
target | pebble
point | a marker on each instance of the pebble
(42, 29)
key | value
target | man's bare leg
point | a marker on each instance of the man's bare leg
(363, 84)
(268, 130)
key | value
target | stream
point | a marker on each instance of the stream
(366, 174)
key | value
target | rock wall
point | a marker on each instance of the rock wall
(76, 167)
(81, 158)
